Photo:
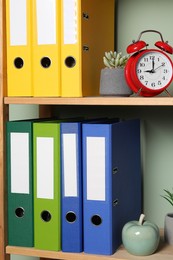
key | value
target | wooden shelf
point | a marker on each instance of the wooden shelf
(113, 101)
(164, 252)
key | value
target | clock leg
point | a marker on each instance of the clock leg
(168, 93)
(138, 93)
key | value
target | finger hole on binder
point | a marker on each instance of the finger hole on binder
(71, 217)
(96, 220)
(46, 216)
(18, 63)
(19, 212)
(45, 62)
(115, 170)
(70, 62)
(86, 16)
(86, 48)
(115, 202)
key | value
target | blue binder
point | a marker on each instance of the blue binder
(72, 219)
(111, 182)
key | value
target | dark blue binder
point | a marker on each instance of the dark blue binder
(111, 182)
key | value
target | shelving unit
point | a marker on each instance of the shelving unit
(164, 252)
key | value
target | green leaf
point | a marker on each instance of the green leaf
(106, 62)
(169, 200)
(114, 59)
(121, 61)
(108, 55)
(168, 196)
(112, 63)
(115, 54)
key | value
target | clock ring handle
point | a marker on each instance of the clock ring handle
(153, 31)
(164, 46)
(138, 45)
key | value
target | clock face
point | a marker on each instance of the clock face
(154, 70)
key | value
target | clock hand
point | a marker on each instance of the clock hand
(159, 67)
(154, 70)
(153, 65)
(150, 71)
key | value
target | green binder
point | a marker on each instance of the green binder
(19, 178)
(47, 224)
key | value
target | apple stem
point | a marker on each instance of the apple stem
(141, 219)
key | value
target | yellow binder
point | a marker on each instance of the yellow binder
(46, 47)
(18, 21)
(87, 32)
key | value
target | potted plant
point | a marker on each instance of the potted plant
(112, 79)
(168, 225)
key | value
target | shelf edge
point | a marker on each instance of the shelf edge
(113, 101)
(55, 255)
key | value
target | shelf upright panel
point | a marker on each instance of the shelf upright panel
(3, 118)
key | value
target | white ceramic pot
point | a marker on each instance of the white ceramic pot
(168, 228)
(113, 83)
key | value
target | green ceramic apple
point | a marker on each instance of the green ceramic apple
(140, 237)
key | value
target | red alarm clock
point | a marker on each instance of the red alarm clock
(149, 71)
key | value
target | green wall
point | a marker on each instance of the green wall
(17, 112)
(18, 257)
(133, 17)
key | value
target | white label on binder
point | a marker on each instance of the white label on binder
(45, 167)
(95, 167)
(70, 165)
(19, 163)
(46, 22)
(70, 14)
(18, 22)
